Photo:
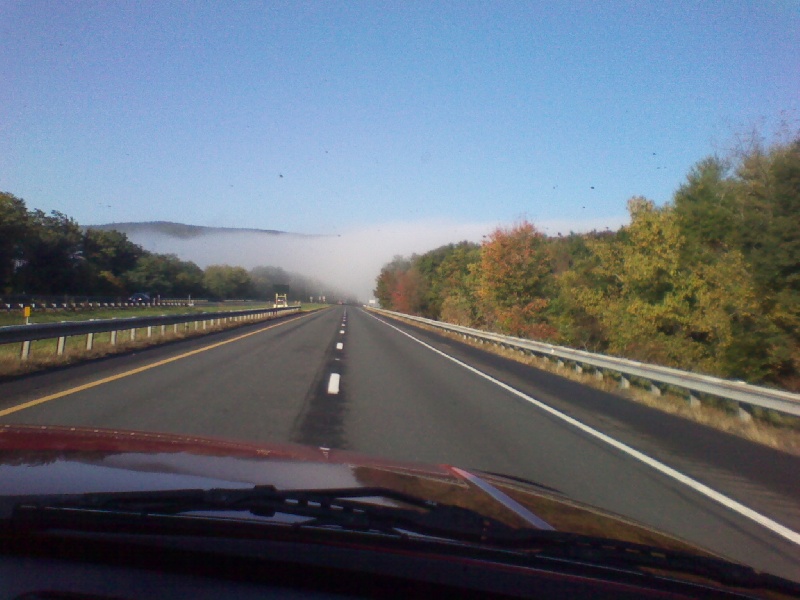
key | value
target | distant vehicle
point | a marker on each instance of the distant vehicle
(139, 297)
(281, 300)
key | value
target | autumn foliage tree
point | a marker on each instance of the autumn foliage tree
(708, 282)
(515, 273)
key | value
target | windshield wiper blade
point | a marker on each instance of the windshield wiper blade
(623, 554)
(349, 509)
(345, 508)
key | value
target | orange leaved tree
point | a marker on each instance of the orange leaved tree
(515, 272)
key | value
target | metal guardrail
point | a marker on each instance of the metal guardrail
(61, 331)
(658, 377)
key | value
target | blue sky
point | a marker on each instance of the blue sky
(321, 117)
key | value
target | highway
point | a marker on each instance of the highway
(409, 394)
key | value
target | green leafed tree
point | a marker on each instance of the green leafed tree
(53, 259)
(109, 256)
(456, 284)
(14, 231)
(225, 281)
(167, 276)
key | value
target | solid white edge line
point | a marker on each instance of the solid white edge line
(333, 383)
(727, 502)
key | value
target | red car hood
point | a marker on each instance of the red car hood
(66, 460)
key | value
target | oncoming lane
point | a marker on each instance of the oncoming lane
(250, 387)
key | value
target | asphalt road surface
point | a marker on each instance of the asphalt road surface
(347, 378)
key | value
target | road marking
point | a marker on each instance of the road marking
(727, 502)
(341, 331)
(339, 346)
(159, 363)
(333, 383)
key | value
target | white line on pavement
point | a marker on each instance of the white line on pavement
(729, 503)
(333, 383)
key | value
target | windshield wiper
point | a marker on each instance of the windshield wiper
(351, 509)
(345, 508)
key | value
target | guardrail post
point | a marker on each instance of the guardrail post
(654, 389)
(89, 341)
(624, 382)
(743, 415)
(163, 329)
(150, 331)
(598, 374)
(693, 400)
(26, 350)
(133, 335)
(578, 368)
(62, 341)
(559, 363)
(113, 338)
(175, 328)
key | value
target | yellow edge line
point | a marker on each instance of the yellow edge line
(159, 363)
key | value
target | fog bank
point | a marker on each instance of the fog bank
(350, 261)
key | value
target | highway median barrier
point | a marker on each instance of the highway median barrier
(58, 343)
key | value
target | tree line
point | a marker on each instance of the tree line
(708, 282)
(51, 255)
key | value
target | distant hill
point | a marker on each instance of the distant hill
(179, 230)
(348, 262)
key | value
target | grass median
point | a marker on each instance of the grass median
(62, 315)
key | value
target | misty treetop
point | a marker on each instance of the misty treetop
(51, 255)
(708, 282)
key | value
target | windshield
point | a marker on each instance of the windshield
(222, 220)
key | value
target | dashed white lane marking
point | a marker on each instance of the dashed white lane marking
(339, 346)
(333, 383)
(729, 503)
(341, 331)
